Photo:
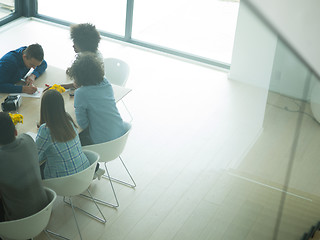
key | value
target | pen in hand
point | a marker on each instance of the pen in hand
(29, 89)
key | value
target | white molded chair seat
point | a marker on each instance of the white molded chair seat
(117, 72)
(75, 184)
(29, 227)
(110, 151)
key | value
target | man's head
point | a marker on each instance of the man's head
(85, 37)
(86, 70)
(7, 129)
(33, 55)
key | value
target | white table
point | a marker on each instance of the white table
(30, 107)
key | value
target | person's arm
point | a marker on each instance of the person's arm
(29, 89)
(36, 73)
(10, 88)
(80, 108)
(40, 69)
(43, 141)
(68, 85)
(7, 75)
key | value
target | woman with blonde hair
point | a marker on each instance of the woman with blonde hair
(57, 139)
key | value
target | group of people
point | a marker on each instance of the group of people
(57, 150)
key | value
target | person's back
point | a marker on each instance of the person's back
(95, 106)
(57, 139)
(61, 158)
(21, 190)
(105, 122)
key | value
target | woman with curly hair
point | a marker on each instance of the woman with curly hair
(85, 38)
(95, 106)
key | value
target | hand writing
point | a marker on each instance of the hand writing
(30, 80)
(29, 89)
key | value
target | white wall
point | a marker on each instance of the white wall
(269, 59)
(254, 50)
(251, 66)
(296, 21)
(289, 74)
(252, 59)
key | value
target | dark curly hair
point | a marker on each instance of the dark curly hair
(86, 70)
(85, 36)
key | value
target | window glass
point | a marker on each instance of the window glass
(6, 8)
(201, 27)
(106, 15)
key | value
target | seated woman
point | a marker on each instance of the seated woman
(85, 38)
(57, 139)
(95, 106)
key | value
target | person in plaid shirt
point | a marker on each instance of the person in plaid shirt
(57, 140)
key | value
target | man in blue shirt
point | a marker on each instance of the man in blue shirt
(16, 64)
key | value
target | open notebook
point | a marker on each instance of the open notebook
(37, 94)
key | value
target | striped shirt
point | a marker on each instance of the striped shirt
(62, 158)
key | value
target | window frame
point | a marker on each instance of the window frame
(30, 9)
(18, 12)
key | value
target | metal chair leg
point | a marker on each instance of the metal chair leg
(109, 204)
(102, 220)
(87, 213)
(56, 234)
(107, 176)
(133, 185)
(74, 215)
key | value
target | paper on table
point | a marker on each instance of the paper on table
(37, 94)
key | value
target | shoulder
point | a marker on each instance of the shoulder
(26, 140)
(80, 91)
(26, 137)
(17, 52)
(12, 57)
(105, 83)
(43, 126)
(21, 49)
(43, 129)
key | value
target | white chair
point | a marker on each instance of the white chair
(110, 151)
(117, 72)
(29, 227)
(75, 184)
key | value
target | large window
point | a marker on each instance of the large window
(202, 27)
(107, 15)
(6, 8)
(201, 30)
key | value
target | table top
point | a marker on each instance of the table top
(30, 107)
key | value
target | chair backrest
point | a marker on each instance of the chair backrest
(110, 150)
(116, 71)
(29, 227)
(77, 183)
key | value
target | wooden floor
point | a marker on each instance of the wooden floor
(204, 166)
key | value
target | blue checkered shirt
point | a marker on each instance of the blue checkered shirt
(61, 158)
